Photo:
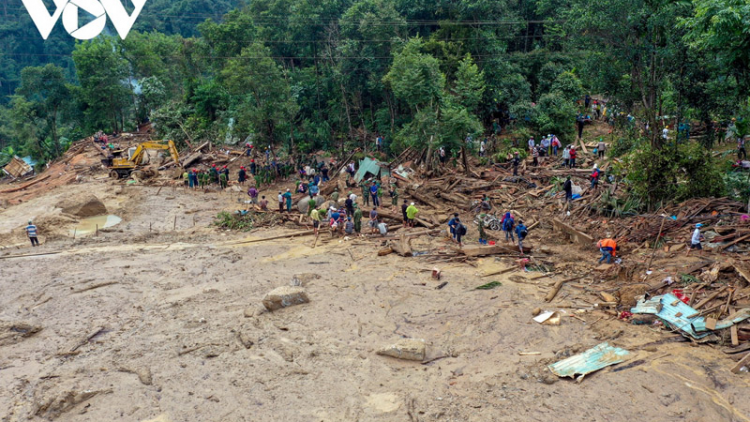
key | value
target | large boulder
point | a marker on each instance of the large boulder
(408, 349)
(285, 296)
(302, 205)
(88, 206)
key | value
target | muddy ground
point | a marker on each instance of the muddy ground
(157, 319)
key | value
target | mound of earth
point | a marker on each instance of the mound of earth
(87, 206)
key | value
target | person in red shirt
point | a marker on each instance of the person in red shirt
(573, 154)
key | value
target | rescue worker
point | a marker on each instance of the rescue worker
(608, 248)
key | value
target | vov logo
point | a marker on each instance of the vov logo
(100, 9)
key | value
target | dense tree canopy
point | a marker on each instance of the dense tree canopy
(304, 75)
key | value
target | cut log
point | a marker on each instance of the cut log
(472, 251)
(556, 288)
(26, 185)
(576, 236)
(399, 218)
(402, 246)
(424, 199)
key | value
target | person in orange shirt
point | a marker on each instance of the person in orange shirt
(608, 248)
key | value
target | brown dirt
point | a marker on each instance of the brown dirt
(158, 319)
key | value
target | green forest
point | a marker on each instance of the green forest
(305, 75)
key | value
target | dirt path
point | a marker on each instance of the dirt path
(142, 332)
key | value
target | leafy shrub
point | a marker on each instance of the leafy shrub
(230, 221)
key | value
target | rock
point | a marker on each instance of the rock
(545, 249)
(408, 349)
(144, 373)
(302, 205)
(89, 206)
(305, 278)
(285, 296)
(536, 311)
(245, 340)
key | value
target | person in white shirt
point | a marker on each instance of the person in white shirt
(532, 144)
(665, 133)
(695, 240)
(353, 197)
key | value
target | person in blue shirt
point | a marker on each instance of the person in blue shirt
(453, 224)
(31, 232)
(374, 193)
(507, 225)
(521, 232)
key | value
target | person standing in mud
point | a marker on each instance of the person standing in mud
(31, 232)
(242, 176)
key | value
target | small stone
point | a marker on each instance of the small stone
(536, 311)
(408, 349)
(246, 340)
(285, 296)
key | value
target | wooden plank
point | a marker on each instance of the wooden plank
(735, 241)
(472, 251)
(576, 235)
(26, 185)
(556, 288)
(744, 361)
(710, 297)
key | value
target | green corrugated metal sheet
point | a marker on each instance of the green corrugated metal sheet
(669, 313)
(371, 166)
(591, 360)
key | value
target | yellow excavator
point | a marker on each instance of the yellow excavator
(122, 167)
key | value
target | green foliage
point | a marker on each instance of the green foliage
(415, 77)
(469, 86)
(231, 221)
(103, 93)
(489, 286)
(688, 171)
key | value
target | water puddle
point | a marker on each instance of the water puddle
(88, 226)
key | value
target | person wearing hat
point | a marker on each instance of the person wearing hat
(242, 175)
(594, 176)
(288, 196)
(411, 214)
(223, 179)
(31, 232)
(213, 174)
(600, 147)
(252, 166)
(349, 204)
(695, 240)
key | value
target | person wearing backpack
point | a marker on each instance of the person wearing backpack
(594, 177)
(460, 232)
(453, 225)
(507, 224)
(522, 232)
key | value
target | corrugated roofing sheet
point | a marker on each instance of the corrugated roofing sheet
(594, 359)
(369, 165)
(676, 315)
(727, 322)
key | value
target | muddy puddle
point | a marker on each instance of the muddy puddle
(90, 225)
